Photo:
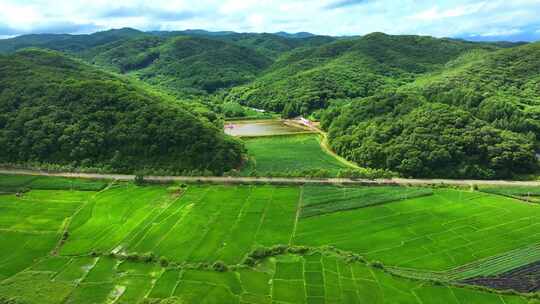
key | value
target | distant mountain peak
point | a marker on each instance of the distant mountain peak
(295, 35)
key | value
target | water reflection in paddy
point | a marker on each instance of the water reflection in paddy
(259, 128)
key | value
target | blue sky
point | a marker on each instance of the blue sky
(472, 19)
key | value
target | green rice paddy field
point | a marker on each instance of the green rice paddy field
(104, 242)
(291, 155)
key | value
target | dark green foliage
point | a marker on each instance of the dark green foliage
(418, 106)
(476, 118)
(125, 55)
(184, 65)
(272, 45)
(57, 110)
(306, 79)
(365, 173)
(219, 266)
(67, 43)
(264, 252)
(139, 179)
(163, 262)
(502, 88)
(233, 109)
(407, 135)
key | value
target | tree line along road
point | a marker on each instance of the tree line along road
(276, 180)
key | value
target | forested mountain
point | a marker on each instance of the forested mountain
(67, 43)
(502, 88)
(273, 45)
(186, 63)
(478, 117)
(304, 80)
(269, 45)
(420, 106)
(54, 109)
(182, 64)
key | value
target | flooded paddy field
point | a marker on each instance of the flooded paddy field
(261, 128)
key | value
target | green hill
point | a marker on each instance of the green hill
(186, 63)
(274, 45)
(54, 109)
(477, 117)
(270, 45)
(67, 43)
(502, 88)
(182, 64)
(306, 79)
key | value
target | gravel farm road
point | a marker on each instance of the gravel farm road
(277, 180)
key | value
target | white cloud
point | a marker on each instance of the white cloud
(447, 18)
(501, 32)
(435, 13)
(231, 6)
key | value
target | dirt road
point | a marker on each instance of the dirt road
(278, 180)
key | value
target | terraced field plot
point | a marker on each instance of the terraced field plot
(279, 155)
(205, 224)
(31, 225)
(314, 278)
(529, 194)
(16, 183)
(522, 279)
(131, 244)
(439, 232)
(320, 200)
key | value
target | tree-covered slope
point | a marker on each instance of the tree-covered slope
(54, 109)
(477, 117)
(66, 42)
(269, 45)
(185, 62)
(182, 64)
(304, 80)
(274, 45)
(502, 88)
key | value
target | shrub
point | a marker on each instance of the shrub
(377, 265)
(298, 250)
(163, 262)
(147, 258)
(259, 253)
(365, 173)
(249, 261)
(139, 179)
(220, 266)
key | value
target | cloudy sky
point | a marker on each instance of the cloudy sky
(472, 19)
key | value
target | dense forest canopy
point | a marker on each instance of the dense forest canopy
(419, 106)
(416, 138)
(54, 109)
(182, 65)
(187, 63)
(306, 79)
(477, 117)
(67, 43)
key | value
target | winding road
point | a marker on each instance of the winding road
(277, 180)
